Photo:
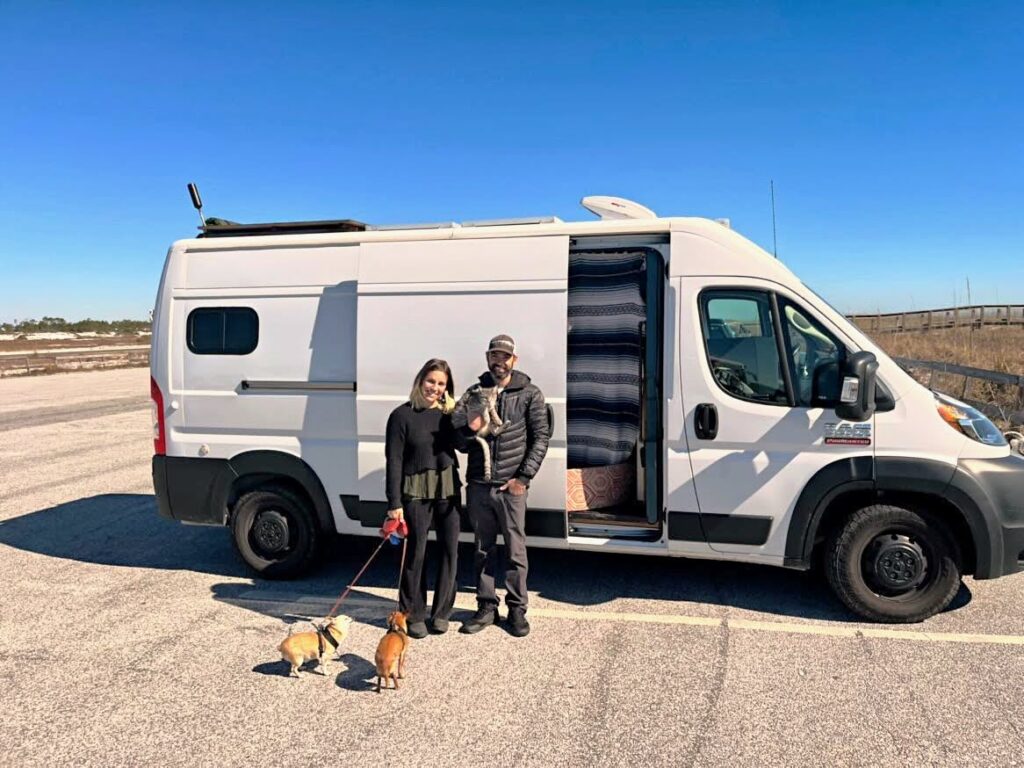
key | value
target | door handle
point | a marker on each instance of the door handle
(705, 421)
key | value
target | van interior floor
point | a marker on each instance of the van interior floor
(614, 522)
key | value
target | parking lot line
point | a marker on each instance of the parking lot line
(384, 598)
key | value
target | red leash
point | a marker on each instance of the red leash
(401, 567)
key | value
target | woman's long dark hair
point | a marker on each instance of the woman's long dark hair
(434, 364)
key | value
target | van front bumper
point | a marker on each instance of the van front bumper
(996, 488)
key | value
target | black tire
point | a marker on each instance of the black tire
(895, 565)
(276, 533)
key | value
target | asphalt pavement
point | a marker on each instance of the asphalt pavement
(126, 639)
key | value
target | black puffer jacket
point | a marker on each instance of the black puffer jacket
(518, 451)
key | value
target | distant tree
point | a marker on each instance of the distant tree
(88, 325)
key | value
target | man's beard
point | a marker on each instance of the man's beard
(499, 372)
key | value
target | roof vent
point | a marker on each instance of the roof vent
(616, 208)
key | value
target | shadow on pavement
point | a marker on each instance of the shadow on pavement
(125, 530)
(359, 675)
(122, 529)
(573, 578)
(274, 668)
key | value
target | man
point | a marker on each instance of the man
(499, 506)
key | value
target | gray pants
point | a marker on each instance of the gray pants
(492, 512)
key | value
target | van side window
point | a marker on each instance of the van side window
(815, 357)
(742, 347)
(222, 330)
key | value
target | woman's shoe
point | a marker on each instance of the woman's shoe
(417, 630)
(438, 626)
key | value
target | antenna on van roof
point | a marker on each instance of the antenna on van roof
(197, 201)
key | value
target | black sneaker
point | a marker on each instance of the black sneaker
(516, 623)
(417, 630)
(438, 626)
(485, 616)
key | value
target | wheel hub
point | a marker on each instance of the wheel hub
(898, 563)
(270, 531)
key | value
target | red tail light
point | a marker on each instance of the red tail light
(159, 436)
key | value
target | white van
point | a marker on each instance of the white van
(746, 419)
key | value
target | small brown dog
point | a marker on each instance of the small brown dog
(391, 650)
(299, 648)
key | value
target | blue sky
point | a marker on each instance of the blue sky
(894, 131)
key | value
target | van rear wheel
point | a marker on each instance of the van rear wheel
(275, 532)
(894, 565)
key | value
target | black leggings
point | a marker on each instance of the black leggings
(419, 514)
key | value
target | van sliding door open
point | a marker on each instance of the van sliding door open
(614, 410)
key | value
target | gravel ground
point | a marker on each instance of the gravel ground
(126, 639)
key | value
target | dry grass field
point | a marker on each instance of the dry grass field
(994, 348)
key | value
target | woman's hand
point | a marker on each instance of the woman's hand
(393, 514)
(476, 421)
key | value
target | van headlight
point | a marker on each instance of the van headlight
(968, 421)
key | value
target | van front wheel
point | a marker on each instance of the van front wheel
(892, 564)
(275, 532)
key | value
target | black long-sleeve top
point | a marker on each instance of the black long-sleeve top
(416, 441)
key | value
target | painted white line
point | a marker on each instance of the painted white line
(385, 598)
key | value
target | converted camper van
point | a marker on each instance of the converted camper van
(704, 402)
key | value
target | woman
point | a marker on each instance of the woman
(422, 486)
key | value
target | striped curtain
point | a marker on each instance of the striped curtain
(606, 308)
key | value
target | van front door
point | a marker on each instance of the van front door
(760, 375)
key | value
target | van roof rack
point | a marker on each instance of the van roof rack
(223, 228)
(512, 222)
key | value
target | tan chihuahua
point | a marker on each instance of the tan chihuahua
(391, 650)
(299, 648)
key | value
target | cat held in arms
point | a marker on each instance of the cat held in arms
(483, 401)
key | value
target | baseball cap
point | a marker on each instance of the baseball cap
(502, 343)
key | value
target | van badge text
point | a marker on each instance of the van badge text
(845, 433)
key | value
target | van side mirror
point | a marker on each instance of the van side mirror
(857, 395)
